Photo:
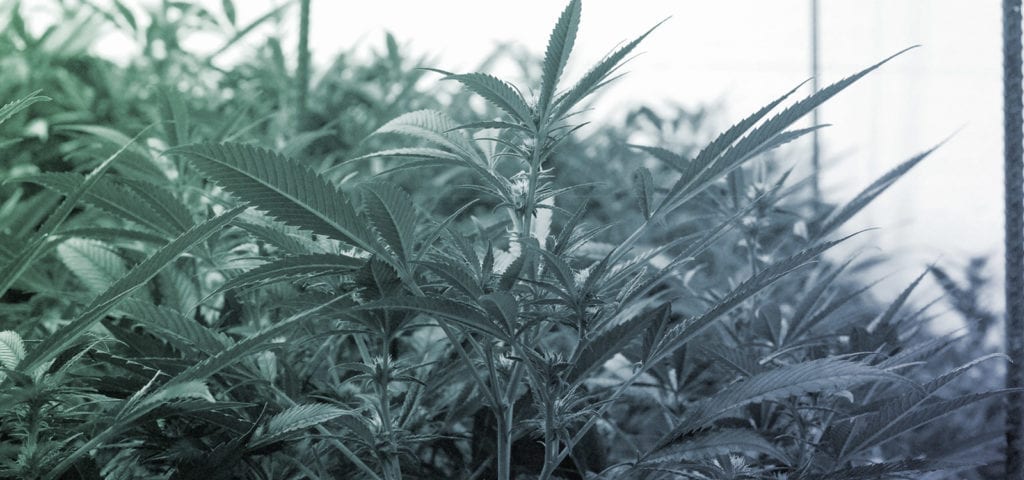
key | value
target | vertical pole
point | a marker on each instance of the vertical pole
(1013, 176)
(815, 139)
(302, 74)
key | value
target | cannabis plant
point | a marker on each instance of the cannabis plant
(443, 304)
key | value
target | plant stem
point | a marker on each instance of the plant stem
(302, 73)
(504, 453)
(535, 166)
(815, 86)
(1013, 176)
(550, 441)
(502, 409)
(390, 462)
(32, 437)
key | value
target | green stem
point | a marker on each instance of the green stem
(502, 409)
(504, 453)
(302, 73)
(550, 441)
(32, 437)
(389, 458)
(535, 164)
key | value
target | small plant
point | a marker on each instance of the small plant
(242, 314)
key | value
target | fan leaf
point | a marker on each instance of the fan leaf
(560, 44)
(821, 375)
(392, 215)
(136, 277)
(12, 108)
(715, 443)
(865, 197)
(12, 349)
(643, 188)
(460, 313)
(499, 93)
(595, 78)
(286, 190)
(297, 267)
(95, 265)
(294, 419)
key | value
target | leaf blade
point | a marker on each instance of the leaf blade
(285, 189)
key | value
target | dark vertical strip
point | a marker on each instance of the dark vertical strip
(815, 85)
(302, 76)
(1013, 167)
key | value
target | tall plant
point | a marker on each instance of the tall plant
(267, 319)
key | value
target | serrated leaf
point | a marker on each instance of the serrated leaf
(132, 410)
(95, 265)
(764, 133)
(289, 239)
(378, 279)
(821, 375)
(293, 419)
(163, 202)
(34, 247)
(178, 288)
(498, 124)
(431, 126)
(185, 334)
(113, 236)
(903, 413)
(919, 351)
(136, 277)
(556, 55)
(714, 443)
(740, 361)
(685, 332)
(671, 159)
(12, 108)
(565, 237)
(890, 312)
(594, 352)
(288, 191)
(295, 267)
(12, 349)
(812, 297)
(829, 308)
(460, 313)
(497, 92)
(457, 275)
(391, 213)
(902, 468)
(722, 158)
(107, 196)
(838, 217)
(501, 306)
(254, 343)
(187, 390)
(510, 276)
(697, 170)
(433, 155)
(594, 79)
(561, 270)
(643, 188)
(655, 332)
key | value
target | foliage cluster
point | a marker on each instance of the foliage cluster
(385, 283)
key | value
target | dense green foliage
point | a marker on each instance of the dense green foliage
(227, 274)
